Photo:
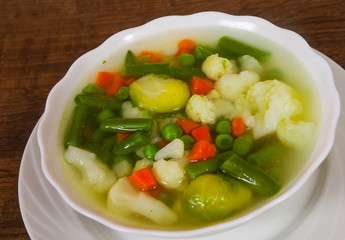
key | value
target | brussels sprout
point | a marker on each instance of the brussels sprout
(159, 93)
(211, 198)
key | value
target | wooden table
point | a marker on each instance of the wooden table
(39, 40)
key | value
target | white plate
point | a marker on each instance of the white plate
(47, 216)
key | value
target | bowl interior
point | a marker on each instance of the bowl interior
(162, 35)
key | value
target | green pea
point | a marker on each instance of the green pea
(150, 151)
(105, 115)
(171, 131)
(223, 127)
(186, 60)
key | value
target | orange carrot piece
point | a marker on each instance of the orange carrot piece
(143, 179)
(201, 86)
(185, 46)
(202, 150)
(238, 127)
(121, 136)
(155, 57)
(104, 79)
(187, 125)
(116, 84)
(202, 133)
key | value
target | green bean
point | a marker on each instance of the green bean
(224, 141)
(223, 127)
(131, 144)
(188, 142)
(121, 158)
(98, 101)
(105, 114)
(102, 153)
(75, 128)
(127, 125)
(266, 154)
(140, 69)
(259, 181)
(171, 131)
(185, 72)
(201, 52)
(186, 60)
(237, 48)
(243, 144)
(208, 166)
(122, 94)
(150, 151)
(130, 57)
(92, 89)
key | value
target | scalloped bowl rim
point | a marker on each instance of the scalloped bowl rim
(47, 137)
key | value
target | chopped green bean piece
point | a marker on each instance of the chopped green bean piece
(130, 57)
(75, 128)
(127, 125)
(98, 101)
(92, 89)
(266, 154)
(109, 142)
(186, 72)
(131, 144)
(237, 48)
(201, 52)
(98, 135)
(102, 153)
(255, 178)
(145, 68)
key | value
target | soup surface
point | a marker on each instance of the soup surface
(190, 131)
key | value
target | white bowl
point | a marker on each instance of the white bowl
(205, 25)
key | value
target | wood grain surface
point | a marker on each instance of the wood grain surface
(39, 40)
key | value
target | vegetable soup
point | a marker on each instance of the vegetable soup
(190, 132)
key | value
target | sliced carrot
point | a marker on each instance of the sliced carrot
(185, 46)
(202, 150)
(143, 179)
(202, 133)
(238, 127)
(162, 143)
(104, 79)
(117, 83)
(187, 125)
(201, 86)
(155, 57)
(121, 136)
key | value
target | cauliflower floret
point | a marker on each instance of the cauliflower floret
(200, 109)
(230, 86)
(224, 108)
(125, 199)
(213, 94)
(271, 101)
(296, 135)
(214, 67)
(248, 63)
(175, 149)
(169, 173)
(94, 172)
